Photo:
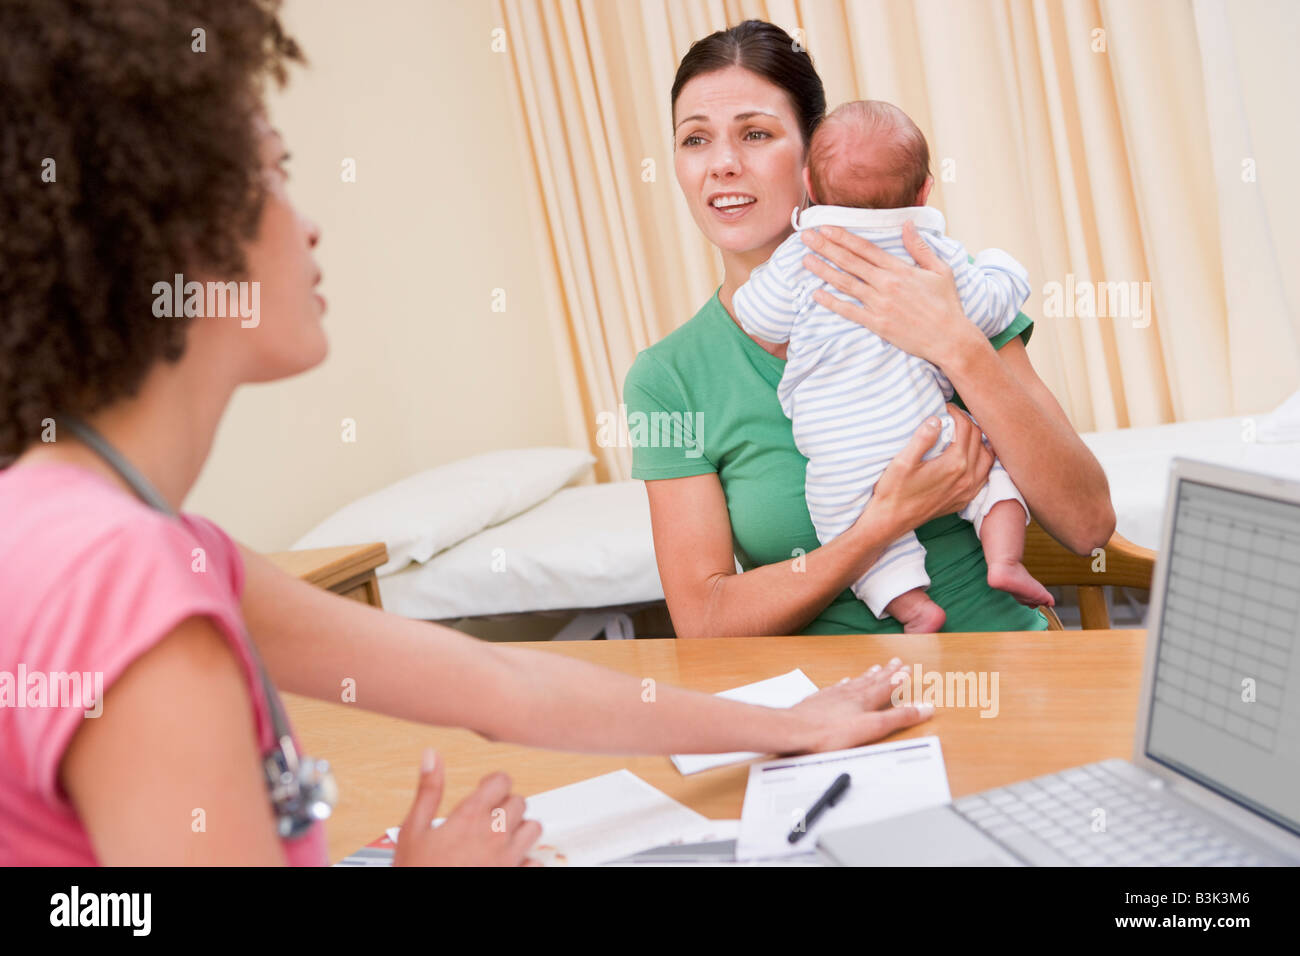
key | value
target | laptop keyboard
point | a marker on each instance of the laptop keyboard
(1097, 815)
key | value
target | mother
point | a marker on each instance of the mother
(745, 103)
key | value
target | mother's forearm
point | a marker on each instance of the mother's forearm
(784, 598)
(1061, 480)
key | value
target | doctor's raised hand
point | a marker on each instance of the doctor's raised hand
(487, 828)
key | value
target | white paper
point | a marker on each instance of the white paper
(886, 780)
(783, 691)
(607, 817)
(710, 831)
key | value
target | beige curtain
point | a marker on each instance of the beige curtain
(1077, 135)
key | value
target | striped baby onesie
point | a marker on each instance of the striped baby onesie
(855, 400)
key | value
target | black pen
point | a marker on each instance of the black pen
(827, 799)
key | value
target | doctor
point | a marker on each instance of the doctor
(109, 413)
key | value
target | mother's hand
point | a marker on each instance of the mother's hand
(913, 491)
(913, 307)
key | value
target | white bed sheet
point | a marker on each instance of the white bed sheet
(584, 547)
(1136, 462)
(590, 546)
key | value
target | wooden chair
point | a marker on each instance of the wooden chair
(1126, 565)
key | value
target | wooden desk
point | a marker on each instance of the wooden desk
(1064, 698)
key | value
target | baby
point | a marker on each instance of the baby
(854, 399)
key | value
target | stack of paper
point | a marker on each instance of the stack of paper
(784, 691)
(607, 817)
(885, 780)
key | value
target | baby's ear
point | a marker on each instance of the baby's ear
(924, 194)
(807, 184)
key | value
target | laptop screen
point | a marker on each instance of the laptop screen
(1226, 711)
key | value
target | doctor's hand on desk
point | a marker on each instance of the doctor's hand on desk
(487, 828)
(858, 710)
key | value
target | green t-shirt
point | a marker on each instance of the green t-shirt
(704, 400)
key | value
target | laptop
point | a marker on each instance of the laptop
(1215, 774)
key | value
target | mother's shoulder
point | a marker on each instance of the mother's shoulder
(689, 337)
(677, 357)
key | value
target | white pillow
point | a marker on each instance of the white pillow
(589, 546)
(1282, 424)
(429, 512)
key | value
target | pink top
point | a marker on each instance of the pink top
(92, 578)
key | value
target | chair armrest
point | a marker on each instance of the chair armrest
(1120, 564)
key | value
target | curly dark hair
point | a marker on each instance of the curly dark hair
(155, 170)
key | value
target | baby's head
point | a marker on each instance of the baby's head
(868, 154)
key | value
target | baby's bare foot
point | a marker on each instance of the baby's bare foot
(1014, 578)
(926, 620)
(916, 612)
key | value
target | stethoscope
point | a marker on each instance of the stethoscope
(302, 790)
